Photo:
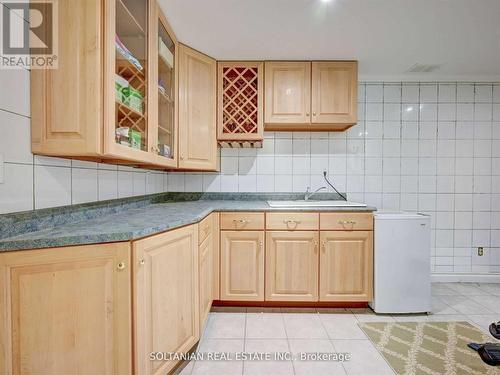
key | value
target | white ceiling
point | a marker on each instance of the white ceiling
(386, 36)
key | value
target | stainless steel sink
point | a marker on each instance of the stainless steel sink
(311, 203)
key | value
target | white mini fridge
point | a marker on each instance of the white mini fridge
(402, 255)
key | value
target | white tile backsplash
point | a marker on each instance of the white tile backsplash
(431, 147)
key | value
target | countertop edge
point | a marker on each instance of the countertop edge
(7, 245)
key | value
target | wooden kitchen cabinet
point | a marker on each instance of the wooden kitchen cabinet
(292, 266)
(80, 111)
(206, 270)
(308, 96)
(346, 266)
(197, 110)
(240, 101)
(166, 297)
(287, 92)
(66, 311)
(334, 92)
(242, 266)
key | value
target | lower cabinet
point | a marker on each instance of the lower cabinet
(346, 266)
(66, 311)
(206, 273)
(242, 266)
(292, 266)
(166, 299)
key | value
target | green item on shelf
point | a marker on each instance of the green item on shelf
(120, 85)
(135, 139)
(133, 98)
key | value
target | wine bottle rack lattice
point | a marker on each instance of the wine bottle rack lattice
(240, 101)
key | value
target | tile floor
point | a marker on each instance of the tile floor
(327, 330)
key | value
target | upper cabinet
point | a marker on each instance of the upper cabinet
(334, 92)
(288, 92)
(116, 94)
(197, 110)
(310, 96)
(240, 96)
(129, 80)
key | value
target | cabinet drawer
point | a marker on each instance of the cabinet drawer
(346, 221)
(242, 220)
(205, 228)
(292, 221)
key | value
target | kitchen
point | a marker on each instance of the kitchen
(194, 178)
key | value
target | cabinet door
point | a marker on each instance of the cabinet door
(334, 92)
(66, 311)
(66, 103)
(129, 79)
(166, 304)
(242, 266)
(291, 266)
(346, 266)
(288, 92)
(197, 110)
(163, 94)
(240, 100)
(206, 278)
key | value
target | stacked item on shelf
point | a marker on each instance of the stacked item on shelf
(166, 55)
(127, 95)
(128, 137)
(127, 55)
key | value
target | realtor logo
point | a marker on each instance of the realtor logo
(28, 34)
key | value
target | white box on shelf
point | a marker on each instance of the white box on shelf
(165, 53)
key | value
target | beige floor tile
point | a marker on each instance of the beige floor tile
(314, 367)
(267, 367)
(225, 326)
(492, 303)
(207, 367)
(483, 321)
(411, 317)
(490, 288)
(304, 326)
(440, 307)
(448, 318)
(465, 305)
(342, 326)
(265, 326)
(369, 316)
(468, 289)
(365, 359)
(443, 289)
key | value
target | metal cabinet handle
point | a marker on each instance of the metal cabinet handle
(241, 221)
(323, 246)
(315, 247)
(345, 222)
(120, 266)
(292, 222)
(142, 262)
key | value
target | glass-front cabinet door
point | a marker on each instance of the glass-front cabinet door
(165, 131)
(128, 78)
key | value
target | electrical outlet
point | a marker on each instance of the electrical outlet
(480, 251)
(2, 168)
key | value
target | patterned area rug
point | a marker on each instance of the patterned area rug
(433, 348)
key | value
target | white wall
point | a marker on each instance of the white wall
(32, 182)
(428, 147)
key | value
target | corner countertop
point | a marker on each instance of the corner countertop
(137, 222)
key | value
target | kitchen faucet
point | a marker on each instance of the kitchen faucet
(308, 194)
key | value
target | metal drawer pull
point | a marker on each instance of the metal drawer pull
(344, 222)
(291, 222)
(241, 221)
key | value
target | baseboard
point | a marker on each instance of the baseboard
(465, 278)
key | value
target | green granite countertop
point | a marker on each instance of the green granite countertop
(124, 223)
